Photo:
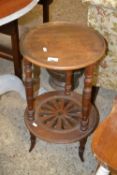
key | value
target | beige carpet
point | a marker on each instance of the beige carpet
(45, 159)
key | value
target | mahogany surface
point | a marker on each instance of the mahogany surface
(11, 29)
(73, 45)
(61, 116)
(104, 143)
(58, 118)
(8, 7)
(12, 54)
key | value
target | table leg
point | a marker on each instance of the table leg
(29, 96)
(33, 141)
(82, 148)
(29, 89)
(86, 106)
(68, 84)
(86, 99)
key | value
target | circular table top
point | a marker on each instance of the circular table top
(13, 9)
(62, 46)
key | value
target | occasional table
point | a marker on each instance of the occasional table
(61, 116)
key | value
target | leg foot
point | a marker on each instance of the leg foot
(33, 142)
(82, 148)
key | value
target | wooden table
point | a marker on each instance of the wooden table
(61, 116)
(11, 10)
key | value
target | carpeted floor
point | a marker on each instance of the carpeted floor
(46, 158)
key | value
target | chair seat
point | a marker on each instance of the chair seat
(104, 144)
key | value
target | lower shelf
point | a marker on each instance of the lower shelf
(57, 118)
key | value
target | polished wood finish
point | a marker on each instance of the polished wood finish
(29, 89)
(8, 7)
(64, 42)
(95, 90)
(11, 29)
(104, 143)
(62, 116)
(33, 141)
(14, 53)
(86, 100)
(57, 118)
(45, 4)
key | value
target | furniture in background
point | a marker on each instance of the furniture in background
(61, 116)
(45, 4)
(10, 11)
(104, 143)
(102, 16)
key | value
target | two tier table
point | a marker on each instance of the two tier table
(61, 116)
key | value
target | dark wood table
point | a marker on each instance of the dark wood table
(62, 116)
(10, 11)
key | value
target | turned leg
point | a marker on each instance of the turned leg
(29, 97)
(33, 142)
(29, 89)
(86, 99)
(68, 83)
(82, 148)
(86, 106)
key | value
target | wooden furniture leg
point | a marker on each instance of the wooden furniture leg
(14, 55)
(82, 148)
(29, 96)
(95, 90)
(15, 49)
(45, 4)
(68, 84)
(33, 142)
(86, 106)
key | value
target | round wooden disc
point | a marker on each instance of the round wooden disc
(57, 118)
(62, 46)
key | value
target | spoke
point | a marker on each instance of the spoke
(71, 120)
(69, 105)
(58, 124)
(45, 113)
(54, 104)
(48, 107)
(67, 124)
(61, 104)
(72, 114)
(46, 119)
(52, 123)
(75, 109)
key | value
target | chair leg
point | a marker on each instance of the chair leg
(17, 58)
(45, 11)
(45, 4)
